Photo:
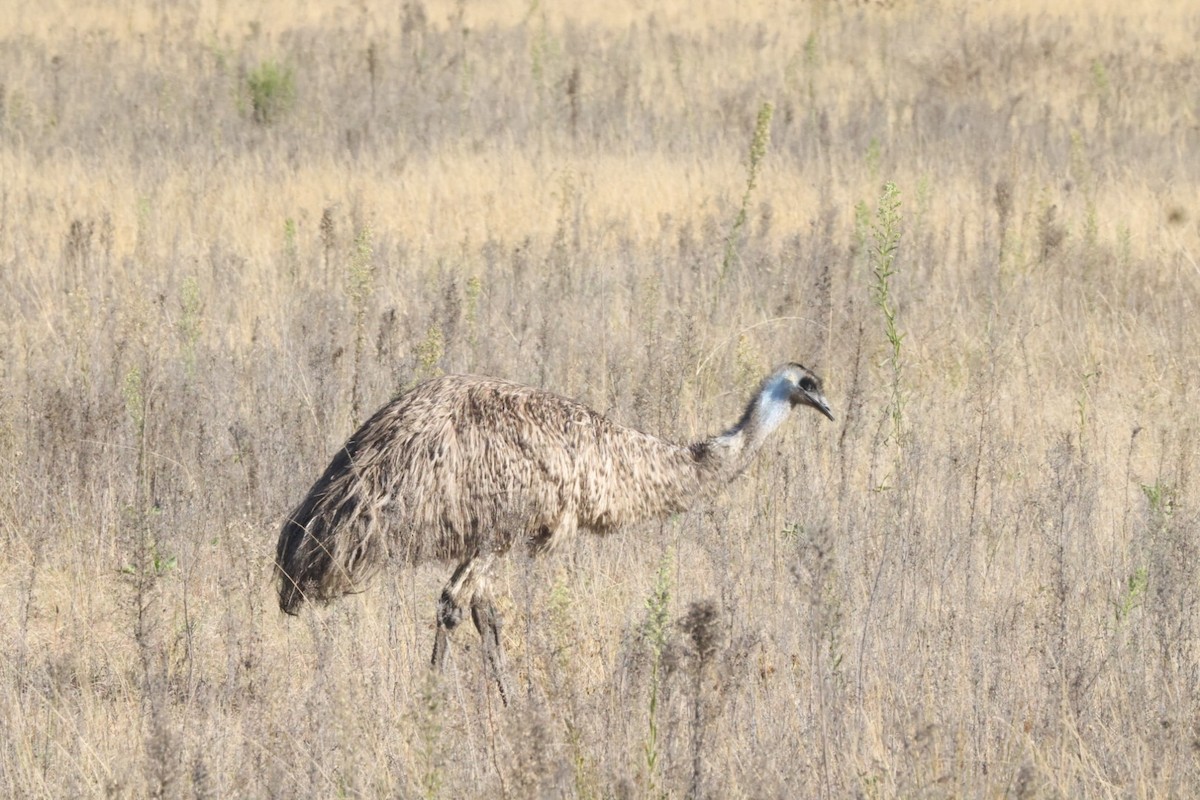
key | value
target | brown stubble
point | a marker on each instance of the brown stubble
(176, 370)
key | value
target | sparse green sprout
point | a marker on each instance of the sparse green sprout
(543, 47)
(142, 242)
(924, 196)
(189, 324)
(361, 277)
(566, 198)
(1100, 80)
(1124, 247)
(560, 621)
(1083, 401)
(474, 291)
(159, 564)
(134, 400)
(1081, 168)
(1135, 590)
(1091, 231)
(874, 157)
(862, 229)
(291, 249)
(811, 53)
(427, 717)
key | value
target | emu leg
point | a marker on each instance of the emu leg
(488, 623)
(448, 616)
(449, 613)
(469, 583)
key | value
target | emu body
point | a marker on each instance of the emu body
(462, 468)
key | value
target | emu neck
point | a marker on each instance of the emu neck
(737, 447)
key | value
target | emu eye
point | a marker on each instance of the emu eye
(808, 384)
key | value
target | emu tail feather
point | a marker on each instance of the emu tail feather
(300, 557)
(288, 565)
(328, 546)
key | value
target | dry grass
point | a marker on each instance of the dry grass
(980, 581)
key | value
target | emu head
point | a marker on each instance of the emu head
(803, 388)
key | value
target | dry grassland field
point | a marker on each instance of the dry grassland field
(229, 232)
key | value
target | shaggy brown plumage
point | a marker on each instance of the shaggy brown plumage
(462, 468)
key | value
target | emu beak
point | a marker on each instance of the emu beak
(820, 405)
(814, 399)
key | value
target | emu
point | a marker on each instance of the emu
(462, 468)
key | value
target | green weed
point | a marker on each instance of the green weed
(885, 233)
(1161, 497)
(654, 633)
(430, 350)
(291, 248)
(190, 324)
(360, 283)
(271, 90)
(758, 152)
(1135, 592)
(474, 291)
(428, 714)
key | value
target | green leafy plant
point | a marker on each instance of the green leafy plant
(1135, 591)
(874, 157)
(135, 407)
(427, 713)
(474, 291)
(291, 248)
(862, 231)
(564, 634)
(1161, 498)
(885, 234)
(758, 151)
(271, 90)
(655, 634)
(157, 564)
(190, 322)
(1083, 400)
(360, 283)
(430, 351)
